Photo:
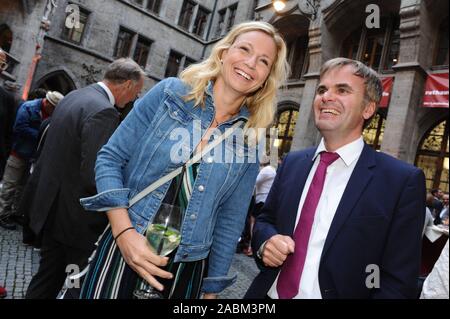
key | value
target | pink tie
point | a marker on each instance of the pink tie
(291, 271)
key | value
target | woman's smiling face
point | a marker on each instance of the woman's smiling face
(248, 62)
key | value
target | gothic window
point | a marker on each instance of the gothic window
(373, 133)
(285, 124)
(433, 156)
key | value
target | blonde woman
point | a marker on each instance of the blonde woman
(236, 85)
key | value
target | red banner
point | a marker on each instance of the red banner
(387, 89)
(436, 90)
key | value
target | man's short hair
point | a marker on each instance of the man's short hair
(122, 70)
(373, 90)
(38, 93)
(434, 191)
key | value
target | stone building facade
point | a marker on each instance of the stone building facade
(409, 45)
(164, 36)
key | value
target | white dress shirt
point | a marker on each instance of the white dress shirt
(264, 183)
(108, 91)
(336, 179)
(436, 283)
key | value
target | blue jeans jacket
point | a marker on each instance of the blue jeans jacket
(150, 143)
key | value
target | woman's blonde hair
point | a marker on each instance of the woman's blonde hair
(261, 103)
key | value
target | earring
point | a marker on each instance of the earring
(221, 61)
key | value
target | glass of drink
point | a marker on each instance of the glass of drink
(163, 235)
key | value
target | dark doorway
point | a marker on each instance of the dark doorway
(57, 81)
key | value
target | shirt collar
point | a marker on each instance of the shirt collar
(348, 153)
(111, 98)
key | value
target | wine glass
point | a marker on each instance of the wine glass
(163, 236)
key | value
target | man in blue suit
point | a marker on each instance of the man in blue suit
(341, 220)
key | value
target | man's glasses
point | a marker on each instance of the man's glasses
(3, 66)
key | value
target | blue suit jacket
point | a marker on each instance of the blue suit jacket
(378, 221)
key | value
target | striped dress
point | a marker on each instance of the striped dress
(109, 277)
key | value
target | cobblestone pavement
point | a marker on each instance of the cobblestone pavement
(18, 263)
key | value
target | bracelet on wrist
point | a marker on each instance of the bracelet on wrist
(123, 231)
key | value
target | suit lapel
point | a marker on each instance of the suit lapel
(361, 176)
(304, 167)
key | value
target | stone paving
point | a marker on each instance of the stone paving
(18, 263)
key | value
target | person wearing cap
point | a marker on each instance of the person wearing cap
(25, 138)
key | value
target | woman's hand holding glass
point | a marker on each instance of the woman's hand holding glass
(138, 255)
(136, 251)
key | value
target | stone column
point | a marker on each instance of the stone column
(306, 133)
(410, 76)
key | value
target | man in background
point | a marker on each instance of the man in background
(24, 142)
(64, 173)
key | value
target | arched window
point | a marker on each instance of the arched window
(285, 123)
(432, 156)
(6, 37)
(376, 47)
(373, 133)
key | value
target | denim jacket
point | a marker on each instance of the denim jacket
(141, 151)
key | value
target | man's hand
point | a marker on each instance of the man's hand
(276, 250)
